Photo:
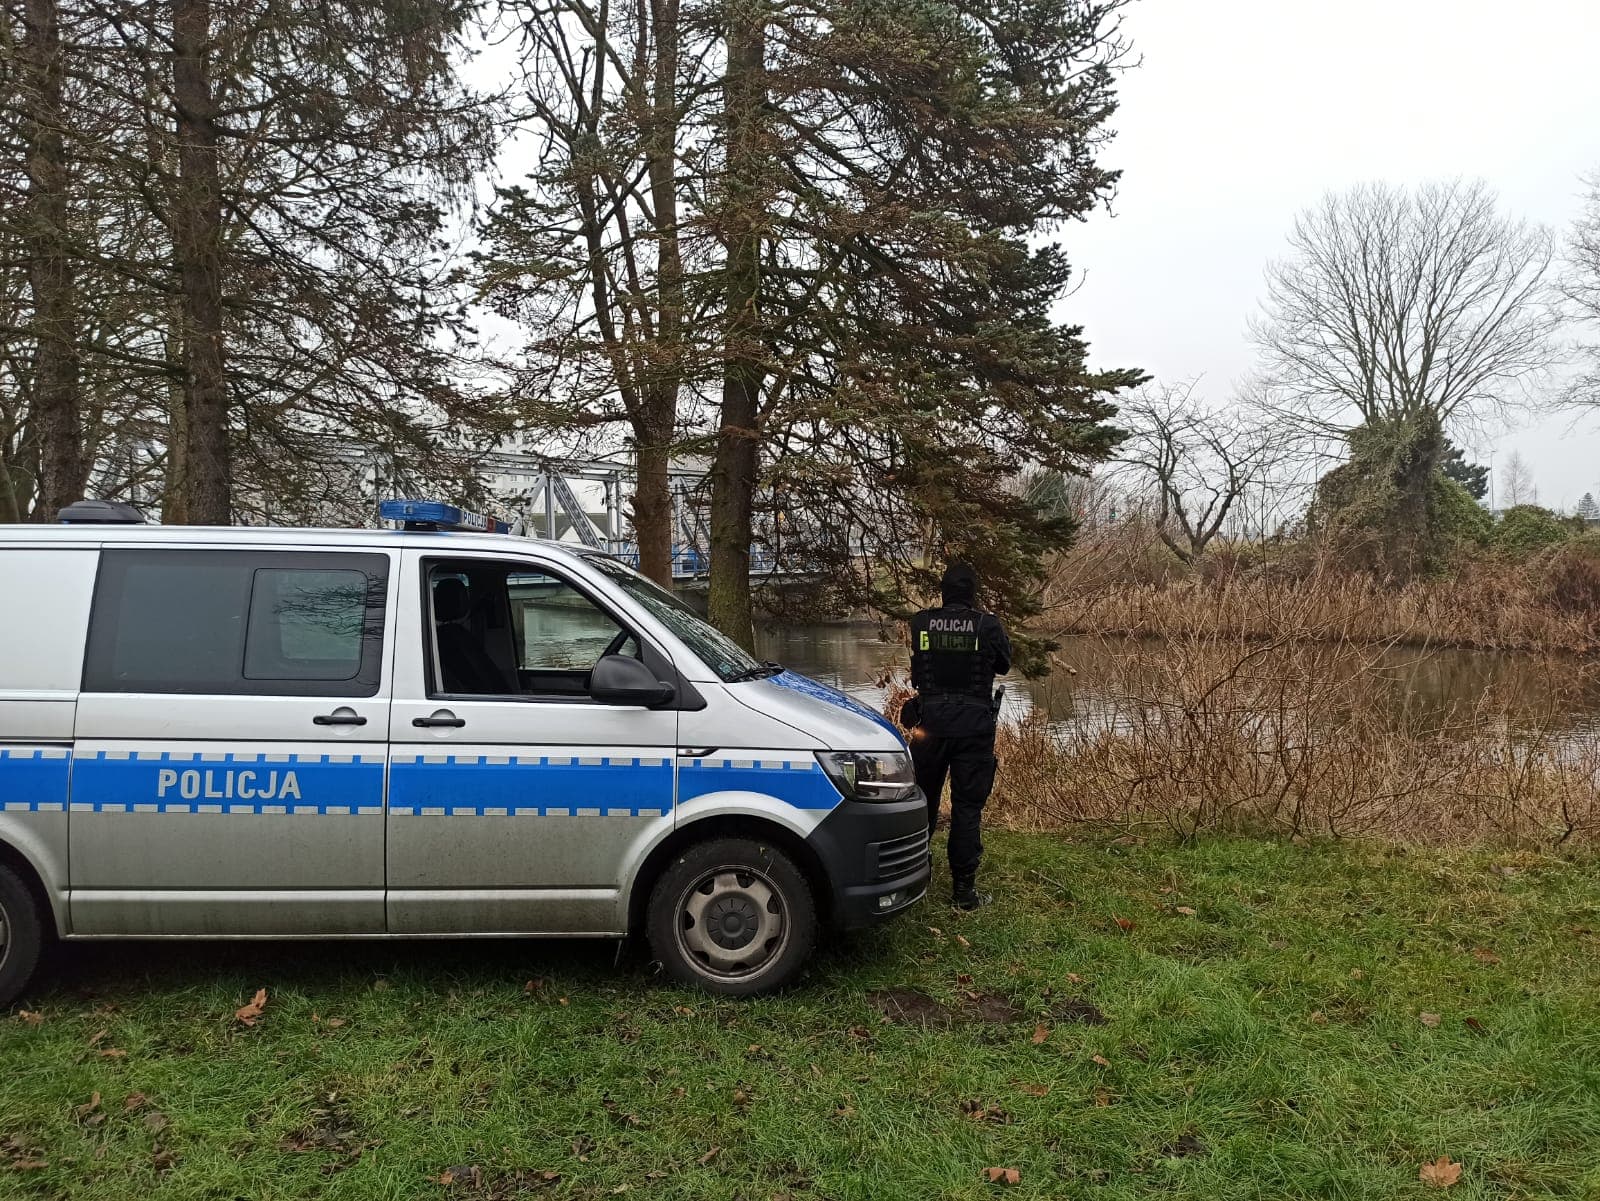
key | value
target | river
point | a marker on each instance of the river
(1422, 687)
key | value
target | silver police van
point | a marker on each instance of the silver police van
(424, 731)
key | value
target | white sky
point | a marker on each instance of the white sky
(1243, 112)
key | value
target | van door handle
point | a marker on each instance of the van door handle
(442, 718)
(339, 717)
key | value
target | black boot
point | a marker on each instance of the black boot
(965, 895)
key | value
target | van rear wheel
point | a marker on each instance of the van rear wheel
(732, 916)
(21, 935)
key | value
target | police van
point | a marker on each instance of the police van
(419, 731)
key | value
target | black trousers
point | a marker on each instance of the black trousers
(970, 763)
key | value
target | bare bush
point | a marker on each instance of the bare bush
(1277, 732)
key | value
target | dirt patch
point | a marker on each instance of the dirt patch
(990, 1008)
(908, 1007)
(331, 1130)
(470, 1182)
(1076, 1009)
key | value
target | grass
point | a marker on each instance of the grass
(1270, 1044)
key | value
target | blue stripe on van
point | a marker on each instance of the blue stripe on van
(232, 782)
(529, 785)
(803, 785)
(34, 779)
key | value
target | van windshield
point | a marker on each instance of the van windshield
(715, 649)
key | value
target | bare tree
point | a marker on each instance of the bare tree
(1397, 315)
(1518, 488)
(1395, 305)
(1582, 287)
(1197, 463)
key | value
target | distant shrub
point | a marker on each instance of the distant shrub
(1460, 522)
(1524, 530)
(1572, 578)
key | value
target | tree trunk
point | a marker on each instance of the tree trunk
(735, 464)
(63, 470)
(652, 507)
(652, 501)
(197, 245)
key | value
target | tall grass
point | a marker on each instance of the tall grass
(1119, 580)
(1289, 716)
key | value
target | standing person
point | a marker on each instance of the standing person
(956, 652)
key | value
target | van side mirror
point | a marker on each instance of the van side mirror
(620, 680)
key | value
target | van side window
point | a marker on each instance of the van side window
(267, 623)
(510, 629)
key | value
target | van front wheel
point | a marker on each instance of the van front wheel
(732, 916)
(21, 935)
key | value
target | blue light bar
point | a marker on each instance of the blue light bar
(436, 515)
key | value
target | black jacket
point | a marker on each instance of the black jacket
(956, 652)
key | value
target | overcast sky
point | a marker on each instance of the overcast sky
(1243, 112)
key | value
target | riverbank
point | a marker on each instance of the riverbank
(1118, 581)
(1238, 1018)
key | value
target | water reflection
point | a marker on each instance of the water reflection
(1095, 678)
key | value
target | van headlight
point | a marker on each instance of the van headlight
(870, 775)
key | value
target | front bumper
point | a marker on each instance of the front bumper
(876, 858)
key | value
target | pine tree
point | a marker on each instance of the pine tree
(890, 359)
(1588, 508)
(1474, 477)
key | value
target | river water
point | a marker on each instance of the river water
(1422, 688)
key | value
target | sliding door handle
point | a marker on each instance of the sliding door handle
(339, 717)
(442, 718)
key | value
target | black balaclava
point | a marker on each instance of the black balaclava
(960, 585)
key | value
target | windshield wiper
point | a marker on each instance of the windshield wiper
(761, 672)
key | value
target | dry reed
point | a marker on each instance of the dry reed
(1294, 722)
(1119, 581)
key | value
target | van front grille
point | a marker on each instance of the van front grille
(897, 856)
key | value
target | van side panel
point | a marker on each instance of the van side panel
(44, 616)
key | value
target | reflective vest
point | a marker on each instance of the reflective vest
(946, 657)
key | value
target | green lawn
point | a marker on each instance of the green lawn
(1269, 1044)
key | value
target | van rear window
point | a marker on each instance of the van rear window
(274, 623)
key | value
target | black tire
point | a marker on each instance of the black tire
(767, 918)
(21, 935)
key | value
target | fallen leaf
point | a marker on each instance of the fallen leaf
(1357, 974)
(1484, 955)
(1124, 923)
(709, 1156)
(1074, 978)
(1101, 1060)
(1040, 1033)
(133, 1102)
(740, 1097)
(1003, 1175)
(1185, 910)
(683, 1011)
(1034, 1090)
(563, 1001)
(445, 1178)
(533, 986)
(1102, 1095)
(1477, 1027)
(965, 945)
(1441, 1173)
(30, 1016)
(1318, 1018)
(94, 1039)
(29, 1165)
(845, 1111)
(88, 1108)
(1429, 1020)
(247, 1014)
(333, 1023)
(113, 1053)
(963, 979)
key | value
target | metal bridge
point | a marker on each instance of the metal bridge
(538, 494)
